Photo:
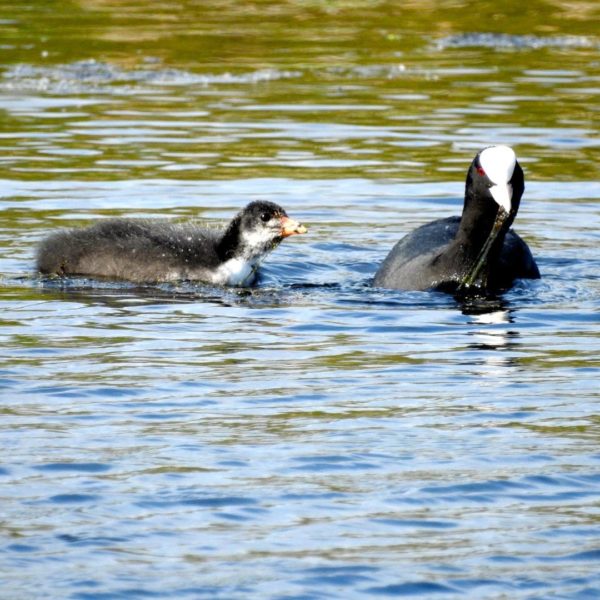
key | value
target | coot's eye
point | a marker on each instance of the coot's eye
(480, 171)
(264, 217)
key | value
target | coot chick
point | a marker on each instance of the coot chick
(476, 253)
(157, 251)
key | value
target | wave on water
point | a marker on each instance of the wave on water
(93, 75)
(516, 42)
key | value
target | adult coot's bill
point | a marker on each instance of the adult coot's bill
(476, 252)
(156, 251)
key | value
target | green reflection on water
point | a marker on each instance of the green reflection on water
(303, 89)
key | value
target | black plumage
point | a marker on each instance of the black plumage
(149, 250)
(477, 252)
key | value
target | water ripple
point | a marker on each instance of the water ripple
(97, 76)
(516, 42)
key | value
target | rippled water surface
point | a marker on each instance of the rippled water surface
(313, 437)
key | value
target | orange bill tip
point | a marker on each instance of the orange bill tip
(291, 227)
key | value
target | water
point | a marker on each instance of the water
(312, 437)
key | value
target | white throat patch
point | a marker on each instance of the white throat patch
(241, 269)
(499, 163)
(257, 239)
(237, 272)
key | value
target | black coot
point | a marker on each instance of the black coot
(474, 253)
(156, 251)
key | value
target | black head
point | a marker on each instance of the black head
(257, 229)
(495, 182)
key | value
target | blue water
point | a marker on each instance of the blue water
(313, 437)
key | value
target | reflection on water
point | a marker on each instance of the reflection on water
(516, 42)
(385, 115)
(494, 336)
(312, 437)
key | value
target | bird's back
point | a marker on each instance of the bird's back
(409, 264)
(413, 263)
(136, 250)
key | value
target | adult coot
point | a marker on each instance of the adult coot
(476, 252)
(155, 251)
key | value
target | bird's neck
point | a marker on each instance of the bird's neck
(476, 224)
(229, 245)
(473, 233)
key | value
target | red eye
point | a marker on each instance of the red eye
(480, 171)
